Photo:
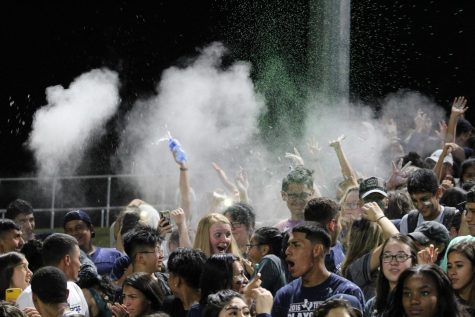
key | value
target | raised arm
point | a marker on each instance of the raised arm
(225, 180)
(179, 156)
(457, 110)
(179, 217)
(447, 149)
(373, 212)
(348, 173)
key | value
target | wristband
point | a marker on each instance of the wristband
(380, 218)
(183, 169)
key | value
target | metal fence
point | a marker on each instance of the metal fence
(104, 211)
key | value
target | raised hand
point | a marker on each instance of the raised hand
(399, 174)
(337, 143)
(295, 158)
(313, 148)
(458, 106)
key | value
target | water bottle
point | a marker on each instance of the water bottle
(175, 147)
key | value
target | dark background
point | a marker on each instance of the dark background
(427, 46)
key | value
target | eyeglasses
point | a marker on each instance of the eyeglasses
(400, 257)
(158, 250)
(236, 225)
(295, 196)
(252, 245)
(350, 206)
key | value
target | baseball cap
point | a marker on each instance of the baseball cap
(77, 215)
(430, 231)
(372, 185)
(436, 154)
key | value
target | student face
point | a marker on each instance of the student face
(135, 301)
(427, 204)
(255, 251)
(394, 267)
(468, 174)
(80, 230)
(296, 197)
(460, 270)
(235, 308)
(299, 254)
(239, 278)
(11, 240)
(21, 275)
(470, 217)
(240, 232)
(419, 296)
(27, 223)
(73, 264)
(220, 237)
(350, 207)
(152, 258)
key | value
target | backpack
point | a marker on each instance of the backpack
(451, 217)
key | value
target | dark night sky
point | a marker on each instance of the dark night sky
(426, 46)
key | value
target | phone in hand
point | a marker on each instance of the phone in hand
(11, 294)
(165, 214)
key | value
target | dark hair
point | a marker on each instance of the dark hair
(399, 204)
(217, 274)
(150, 287)
(50, 285)
(217, 301)
(8, 310)
(465, 166)
(324, 308)
(299, 175)
(129, 221)
(382, 283)
(447, 304)
(8, 261)
(270, 236)
(18, 206)
(7, 225)
(188, 264)
(32, 251)
(422, 181)
(454, 197)
(242, 213)
(314, 233)
(321, 210)
(467, 249)
(138, 239)
(56, 247)
(415, 160)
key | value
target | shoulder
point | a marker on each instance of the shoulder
(289, 288)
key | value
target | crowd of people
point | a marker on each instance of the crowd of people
(402, 245)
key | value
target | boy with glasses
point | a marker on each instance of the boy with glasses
(297, 190)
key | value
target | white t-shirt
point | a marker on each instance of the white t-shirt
(76, 299)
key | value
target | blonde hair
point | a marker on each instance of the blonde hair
(364, 236)
(202, 234)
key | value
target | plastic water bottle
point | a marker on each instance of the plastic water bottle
(176, 148)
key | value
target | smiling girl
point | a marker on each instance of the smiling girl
(461, 271)
(14, 272)
(214, 236)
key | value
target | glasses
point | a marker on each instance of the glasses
(158, 250)
(350, 206)
(295, 196)
(252, 245)
(236, 225)
(400, 257)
